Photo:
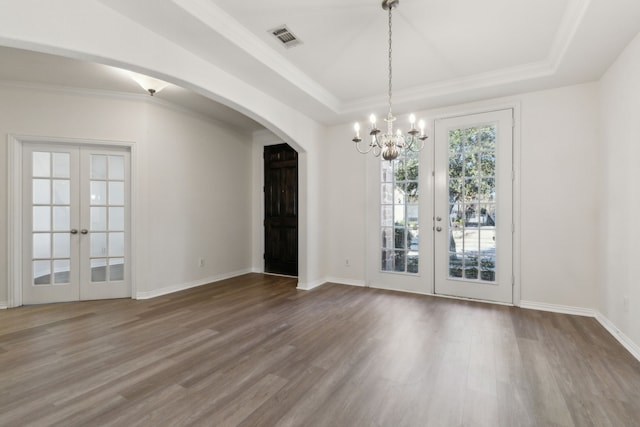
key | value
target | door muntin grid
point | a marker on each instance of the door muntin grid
(107, 218)
(471, 180)
(51, 218)
(399, 214)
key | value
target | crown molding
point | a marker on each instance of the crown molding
(141, 97)
(453, 86)
(70, 90)
(573, 16)
(221, 22)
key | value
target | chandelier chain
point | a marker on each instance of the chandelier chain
(390, 145)
(390, 68)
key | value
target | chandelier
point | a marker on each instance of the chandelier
(390, 144)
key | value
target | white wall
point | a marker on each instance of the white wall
(620, 153)
(193, 180)
(198, 200)
(345, 205)
(559, 175)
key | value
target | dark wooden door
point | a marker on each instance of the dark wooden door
(281, 210)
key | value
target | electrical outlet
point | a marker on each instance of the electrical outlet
(200, 262)
(346, 262)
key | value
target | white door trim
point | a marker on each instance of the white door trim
(14, 196)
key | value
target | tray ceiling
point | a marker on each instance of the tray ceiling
(444, 51)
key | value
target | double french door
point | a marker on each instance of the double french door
(76, 223)
(445, 214)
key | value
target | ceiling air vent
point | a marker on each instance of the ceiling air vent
(286, 37)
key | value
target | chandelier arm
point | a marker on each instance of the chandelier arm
(389, 144)
(365, 151)
(378, 141)
(412, 145)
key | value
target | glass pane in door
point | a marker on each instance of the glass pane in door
(51, 257)
(399, 217)
(107, 213)
(472, 203)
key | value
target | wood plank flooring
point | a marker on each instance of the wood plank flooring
(254, 351)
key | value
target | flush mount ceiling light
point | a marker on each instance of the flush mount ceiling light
(147, 83)
(389, 144)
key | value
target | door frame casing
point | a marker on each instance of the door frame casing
(15, 146)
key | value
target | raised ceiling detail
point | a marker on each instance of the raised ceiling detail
(446, 52)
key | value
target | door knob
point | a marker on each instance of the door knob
(438, 218)
(438, 229)
(73, 231)
(84, 231)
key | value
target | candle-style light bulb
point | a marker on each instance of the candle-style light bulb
(421, 126)
(372, 119)
(412, 120)
(356, 127)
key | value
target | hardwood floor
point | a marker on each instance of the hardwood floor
(254, 351)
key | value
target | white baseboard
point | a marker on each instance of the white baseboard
(555, 308)
(4, 305)
(626, 342)
(349, 282)
(407, 291)
(278, 275)
(181, 287)
(311, 285)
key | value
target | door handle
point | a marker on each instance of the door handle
(438, 218)
(438, 229)
(73, 231)
(84, 231)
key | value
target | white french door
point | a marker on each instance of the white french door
(473, 203)
(76, 223)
